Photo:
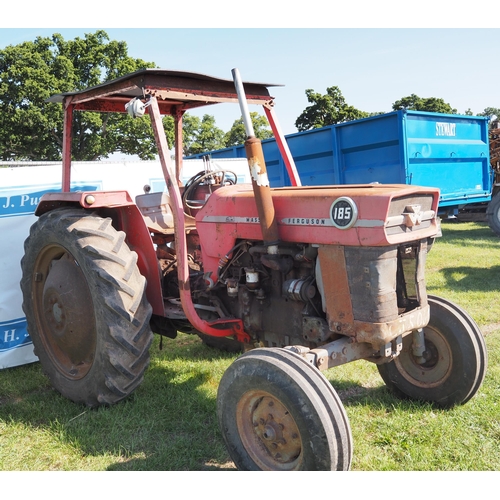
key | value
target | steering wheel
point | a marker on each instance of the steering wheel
(219, 177)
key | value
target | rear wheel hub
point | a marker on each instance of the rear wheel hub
(65, 309)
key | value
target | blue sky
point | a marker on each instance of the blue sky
(373, 67)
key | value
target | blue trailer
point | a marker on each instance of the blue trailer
(450, 152)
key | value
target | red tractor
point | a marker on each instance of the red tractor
(301, 279)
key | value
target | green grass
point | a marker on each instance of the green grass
(170, 423)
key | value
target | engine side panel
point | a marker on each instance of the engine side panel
(385, 215)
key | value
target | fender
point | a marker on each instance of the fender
(126, 217)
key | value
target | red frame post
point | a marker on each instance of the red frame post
(228, 327)
(66, 147)
(179, 153)
(283, 147)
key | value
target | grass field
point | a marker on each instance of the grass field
(170, 423)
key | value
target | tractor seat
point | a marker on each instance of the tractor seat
(157, 213)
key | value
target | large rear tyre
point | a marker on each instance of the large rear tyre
(493, 214)
(455, 359)
(85, 305)
(278, 412)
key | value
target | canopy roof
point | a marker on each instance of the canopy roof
(174, 90)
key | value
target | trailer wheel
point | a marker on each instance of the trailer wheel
(278, 412)
(455, 359)
(493, 214)
(85, 307)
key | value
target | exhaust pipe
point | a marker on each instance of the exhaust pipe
(258, 173)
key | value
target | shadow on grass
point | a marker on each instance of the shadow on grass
(354, 394)
(473, 234)
(168, 423)
(466, 279)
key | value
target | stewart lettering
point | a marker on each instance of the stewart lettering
(445, 129)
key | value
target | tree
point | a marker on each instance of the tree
(416, 103)
(326, 110)
(201, 135)
(31, 128)
(237, 135)
(492, 113)
(169, 127)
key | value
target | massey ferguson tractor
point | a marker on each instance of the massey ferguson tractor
(302, 279)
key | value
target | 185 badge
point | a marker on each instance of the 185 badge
(343, 212)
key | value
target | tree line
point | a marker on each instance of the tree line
(31, 128)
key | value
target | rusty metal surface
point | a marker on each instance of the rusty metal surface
(218, 328)
(127, 217)
(268, 431)
(336, 353)
(381, 322)
(97, 199)
(494, 139)
(337, 296)
(372, 274)
(280, 215)
(174, 90)
(262, 190)
(378, 343)
(67, 139)
(315, 329)
(380, 334)
(64, 311)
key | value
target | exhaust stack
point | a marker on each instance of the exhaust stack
(258, 173)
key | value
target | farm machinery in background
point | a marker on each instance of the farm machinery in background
(493, 210)
(301, 279)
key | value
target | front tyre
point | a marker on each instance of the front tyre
(278, 412)
(85, 306)
(454, 362)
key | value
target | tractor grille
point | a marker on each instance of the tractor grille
(408, 214)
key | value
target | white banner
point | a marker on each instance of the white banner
(21, 187)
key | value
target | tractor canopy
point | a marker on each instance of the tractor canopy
(176, 91)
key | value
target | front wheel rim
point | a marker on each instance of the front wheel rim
(437, 364)
(268, 431)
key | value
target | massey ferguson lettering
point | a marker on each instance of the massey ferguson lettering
(304, 221)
